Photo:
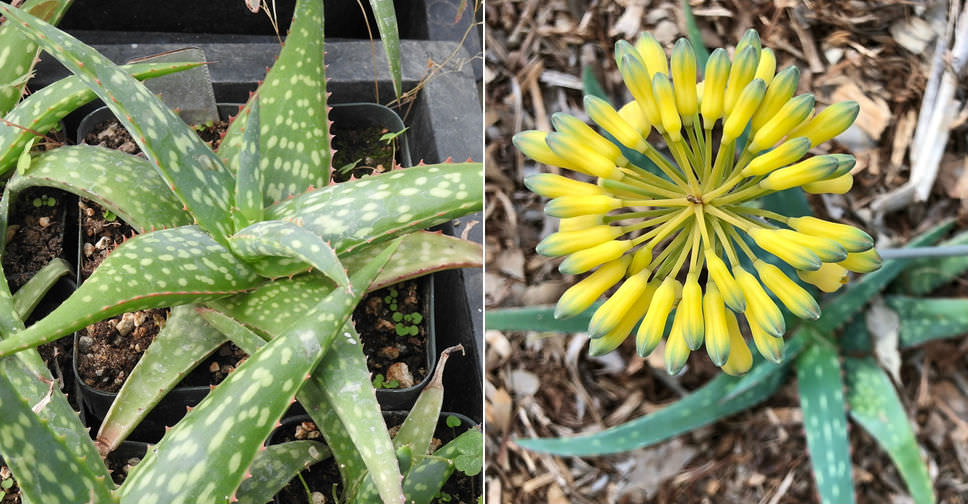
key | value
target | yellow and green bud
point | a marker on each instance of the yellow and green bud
(641, 259)
(580, 222)
(750, 38)
(639, 83)
(583, 294)
(683, 64)
(729, 290)
(740, 75)
(611, 121)
(804, 172)
(676, 350)
(690, 310)
(653, 325)
(760, 309)
(571, 126)
(862, 262)
(569, 242)
(830, 122)
(573, 206)
(826, 249)
(780, 90)
(652, 53)
(716, 328)
(740, 358)
(551, 185)
(666, 100)
(609, 315)
(790, 293)
(828, 278)
(532, 144)
(850, 238)
(836, 185)
(845, 163)
(788, 117)
(582, 157)
(786, 153)
(714, 87)
(766, 67)
(590, 258)
(636, 118)
(612, 340)
(789, 252)
(745, 105)
(768, 345)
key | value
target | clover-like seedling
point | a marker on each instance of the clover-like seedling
(380, 381)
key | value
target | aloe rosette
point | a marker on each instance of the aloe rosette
(259, 247)
(671, 238)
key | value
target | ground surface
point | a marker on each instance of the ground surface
(547, 386)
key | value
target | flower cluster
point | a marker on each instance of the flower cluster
(636, 228)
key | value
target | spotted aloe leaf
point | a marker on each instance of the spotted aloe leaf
(194, 173)
(17, 55)
(874, 405)
(277, 238)
(163, 268)
(273, 467)
(821, 391)
(419, 253)
(124, 184)
(294, 148)
(41, 111)
(928, 319)
(386, 21)
(924, 275)
(184, 342)
(205, 457)
(29, 295)
(249, 178)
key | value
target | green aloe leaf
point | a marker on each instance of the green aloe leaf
(273, 467)
(29, 295)
(194, 173)
(701, 407)
(41, 111)
(927, 319)
(277, 238)
(184, 342)
(124, 184)
(154, 270)
(417, 429)
(874, 405)
(925, 275)
(763, 369)
(825, 422)
(537, 318)
(205, 457)
(386, 21)
(18, 53)
(249, 179)
(842, 307)
(246, 339)
(294, 149)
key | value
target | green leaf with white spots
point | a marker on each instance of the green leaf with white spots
(205, 456)
(874, 405)
(42, 110)
(154, 270)
(537, 318)
(17, 53)
(243, 337)
(194, 173)
(702, 407)
(425, 478)
(29, 295)
(925, 275)
(842, 307)
(249, 178)
(377, 208)
(184, 342)
(386, 21)
(277, 303)
(929, 319)
(43, 462)
(294, 146)
(124, 184)
(417, 429)
(273, 467)
(277, 238)
(419, 254)
(825, 422)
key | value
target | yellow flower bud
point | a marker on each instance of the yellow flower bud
(569, 242)
(786, 153)
(714, 87)
(760, 309)
(641, 259)
(750, 38)
(583, 294)
(862, 262)
(666, 100)
(745, 105)
(580, 222)
(836, 185)
(780, 91)
(611, 121)
(789, 252)
(766, 66)
(571, 126)
(652, 53)
(740, 74)
(653, 325)
(849, 237)
(729, 290)
(608, 316)
(826, 249)
(581, 157)
(590, 258)
(690, 307)
(532, 144)
(573, 206)
(634, 115)
(676, 350)
(845, 163)
(551, 185)
(829, 123)
(804, 172)
(789, 116)
(716, 327)
(612, 340)
(794, 297)
(828, 278)
(684, 78)
(639, 83)
(740, 358)
(769, 346)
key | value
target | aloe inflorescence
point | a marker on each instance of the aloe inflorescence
(658, 234)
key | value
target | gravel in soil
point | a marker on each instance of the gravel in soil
(394, 335)
(35, 235)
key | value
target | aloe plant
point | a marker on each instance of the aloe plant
(259, 248)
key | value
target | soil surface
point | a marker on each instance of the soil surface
(395, 345)
(360, 152)
(35, 233)
(113, 135)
